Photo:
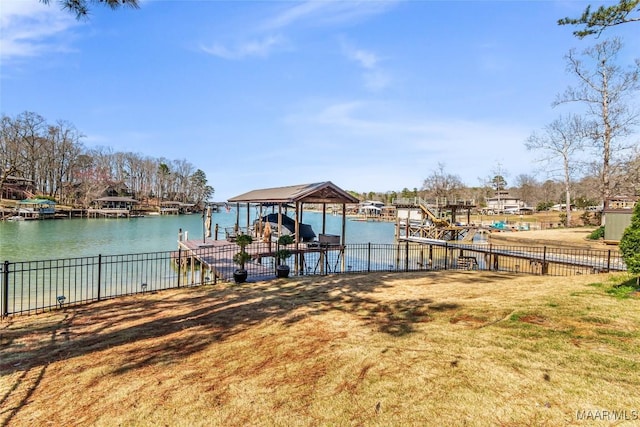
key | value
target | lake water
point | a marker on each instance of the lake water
(70, 238)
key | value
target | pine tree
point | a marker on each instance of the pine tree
(630, 242)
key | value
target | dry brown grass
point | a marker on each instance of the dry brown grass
(446, 348)
(575, 238)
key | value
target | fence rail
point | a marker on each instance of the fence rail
(37, 286)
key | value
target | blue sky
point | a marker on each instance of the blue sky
(371, 95)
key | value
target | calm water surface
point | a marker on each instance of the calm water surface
(70, 238)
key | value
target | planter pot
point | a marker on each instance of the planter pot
(240, 276)
(282, 271)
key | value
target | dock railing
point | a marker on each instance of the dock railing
(36, 286)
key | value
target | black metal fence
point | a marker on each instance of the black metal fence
(37, 286)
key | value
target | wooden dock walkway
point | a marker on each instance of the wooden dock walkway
(217, 257)
(601, 261)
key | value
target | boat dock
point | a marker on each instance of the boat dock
(602, 262)
(216, 256)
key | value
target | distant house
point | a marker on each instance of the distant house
(16, 188)
(116, 207)
(617, 217)
(117, 189)
(36, 209)
(370, 207)
(560, 207)
(502, 202)
(175, 208)
(622, 202)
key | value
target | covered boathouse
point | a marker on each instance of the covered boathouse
(279, 199)
(272, 205)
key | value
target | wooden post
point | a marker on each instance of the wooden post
(248, 212)
(344, 237)
(237, 217)
(324, 217)
(298, 256)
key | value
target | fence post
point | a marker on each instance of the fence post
(5, 290)
(544, 261)
(406, 256)
(179, 264)
(99, 275)
(446, 256)
(489, 260)
(369, 257)
(430, 257)
(609, 260)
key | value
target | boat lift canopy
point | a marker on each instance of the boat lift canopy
(296, 195)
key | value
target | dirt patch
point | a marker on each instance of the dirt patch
(534, 319)
(561, 237)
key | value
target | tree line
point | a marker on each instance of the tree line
(53, 157)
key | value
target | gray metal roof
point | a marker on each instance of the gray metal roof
(321, 192)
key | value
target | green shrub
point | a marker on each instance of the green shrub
(630, 242)
(597, 234)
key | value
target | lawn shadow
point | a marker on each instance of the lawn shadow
(190, 320)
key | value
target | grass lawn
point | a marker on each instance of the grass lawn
(439, 348)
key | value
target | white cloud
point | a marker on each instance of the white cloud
(30, 28)
(358, 138)
(374, 77)
(309, 13)
(323, 13)
(253, 48)
(365, 58)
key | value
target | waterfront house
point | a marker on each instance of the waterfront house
(175, 208)
(16, 188)
(36, 209)
(370, 208)
(502, 202)
(113, 207)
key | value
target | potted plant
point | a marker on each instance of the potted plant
(282, 269)
(240, 258)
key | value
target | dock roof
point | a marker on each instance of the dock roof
(321, 192)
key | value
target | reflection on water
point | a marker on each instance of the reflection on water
(69, 238)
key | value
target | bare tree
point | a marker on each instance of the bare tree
(558, 145)
(441, 184)
(627, 176)
(182, 170)
(12, 160)
(63, 147)
(527, 189)
(605, 89)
